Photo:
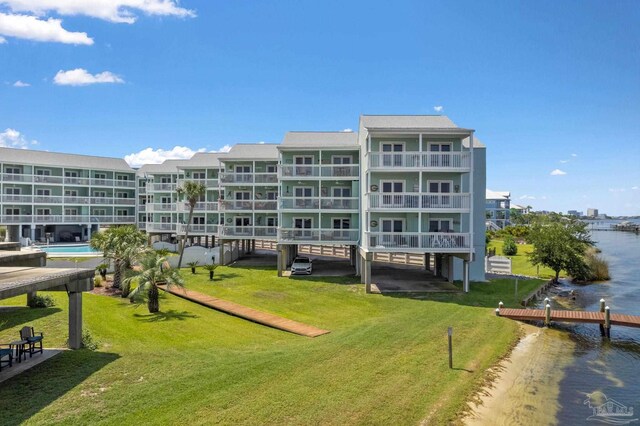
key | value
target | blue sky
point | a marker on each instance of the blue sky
(548, 85)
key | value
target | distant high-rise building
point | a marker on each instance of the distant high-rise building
(574, 213)
(592, 212)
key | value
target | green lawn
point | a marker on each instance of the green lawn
(520, 264)
(384, 362)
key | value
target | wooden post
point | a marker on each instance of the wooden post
(516, 289)
(500, 305)
(607, 321)
(547, 314)
(602, 305)
(450, 333)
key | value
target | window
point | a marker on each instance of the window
(12, 211)
(70, 193)
(100, 194)
(43, 172)
(242, 225)
(303, 191)
(70, 212)
(12, 191)
(272, 221)
(302, 227)
(165, 219)
(43, 212)
(43, 192)
(99, 212)
(242, 195)
(339, 225)
(303, 196)
(341, 159)
(438, 187)
(122, 195)
(301, 162)
(199, 175)
(122, 212)
(165, 200)
(243, 169)
(13, 171)
(392, 193)
(439, 154)
(165, 179)
(272, 168)
(440, 225)
(344, 223)
(122, 177)
(198, 220)
(392, 225)
(391, 154)
(100, 175)
(340, 191)
(272, 195)
(70, 173)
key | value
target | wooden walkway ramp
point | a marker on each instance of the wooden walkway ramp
(569, 316)
(244, 312)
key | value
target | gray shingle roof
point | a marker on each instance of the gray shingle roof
(407, 122)
(57, 159)
(168, 167)
(252, 151)
(320, 140)
(204, 160)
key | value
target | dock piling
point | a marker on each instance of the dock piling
(602, 305)
(547, 314)
(607, 322)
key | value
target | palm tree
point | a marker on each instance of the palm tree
(192, 192)
(152, 270)
(120, 244)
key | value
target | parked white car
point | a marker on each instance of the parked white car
(301, 265)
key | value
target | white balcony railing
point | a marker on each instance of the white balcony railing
(9, 198)
(202, 206)
(58, 218)
(161, 207)
(236, 178)
(311, 170)
(195, 229)
(249, 231)
(209, 183)
(161, 227)
(416, 200)
(420, 160)
(315, 203)
(342, 236)
(161, 187)
(446, 241)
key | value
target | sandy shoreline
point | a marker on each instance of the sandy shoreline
(527, 384)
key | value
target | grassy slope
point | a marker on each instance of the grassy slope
(385, 360)
(520, 263)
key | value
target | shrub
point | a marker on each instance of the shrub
(88, 341)
(97, 281)
(598, 266)
(509, 248)
(125, 288)
(39, 301)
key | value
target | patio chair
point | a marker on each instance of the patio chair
(27, 333)
(6, 353)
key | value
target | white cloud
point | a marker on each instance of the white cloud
(527, 197)
(12, 138)
(33, 28)
(635, 188)
(557, 172)
(80, 77)
(564, 161)
(438, 108)
(121, 11)
(226, 148)
(616, 190)
(3, 40)
(157, 156)
(574, 155)
(347, 130)
(544, 197)
(21, 84)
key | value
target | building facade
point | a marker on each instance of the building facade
(497, 209)
(401, 184)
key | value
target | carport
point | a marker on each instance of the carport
(25, 279)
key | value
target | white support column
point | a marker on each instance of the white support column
(472, 197)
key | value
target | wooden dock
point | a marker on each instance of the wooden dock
(604, 318)
(250, 314)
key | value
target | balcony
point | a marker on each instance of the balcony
(209, 206)
(83, 181)
(237, 205)
(195, 229)
(48, 179)
(295, 171)
(319, 203)
(161, 207)
(432, 161)
(267, 232)
(47, 199)
(209, 183)
(28, 199)
(420, 201)
(125, 201)
(161, 187)
(75, 219)
(124, 183)
(435, 241)
(266, 178)
(337, 236)
(161, 227)
(15, 177)
(240, 178)
(76, 200)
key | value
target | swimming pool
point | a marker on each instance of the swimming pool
(70, 250)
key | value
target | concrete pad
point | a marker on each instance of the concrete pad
(388, 278)
(258, 258)
(20, 367)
